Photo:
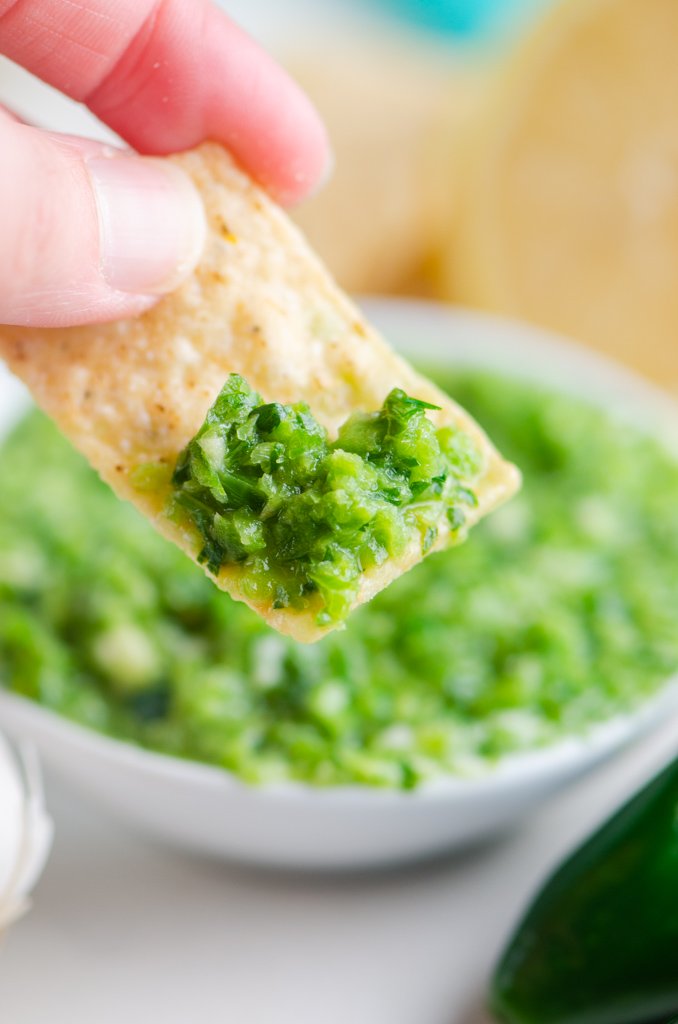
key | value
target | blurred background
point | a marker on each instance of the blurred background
(519, 156)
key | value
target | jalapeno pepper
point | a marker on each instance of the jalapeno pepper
(599, 945)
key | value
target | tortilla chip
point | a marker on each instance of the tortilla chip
(260, 304)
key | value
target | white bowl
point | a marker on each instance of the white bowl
(295, 825)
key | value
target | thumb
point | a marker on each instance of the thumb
(89, 233)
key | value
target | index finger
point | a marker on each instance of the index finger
(166, 74)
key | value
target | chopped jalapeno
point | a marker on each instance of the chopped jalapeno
(558, 613)
(304, 518)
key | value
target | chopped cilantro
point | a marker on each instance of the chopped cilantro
(559, 612)
(305, 518)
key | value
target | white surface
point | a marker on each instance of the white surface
(207, 810)
(124, 932)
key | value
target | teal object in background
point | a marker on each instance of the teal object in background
(465, 17)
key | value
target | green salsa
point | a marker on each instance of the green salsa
(559, 612)
(304, 518)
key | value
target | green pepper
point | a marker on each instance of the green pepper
(599, 945)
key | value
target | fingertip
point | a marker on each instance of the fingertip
(257, 110)
(307, 169)
(301, 158)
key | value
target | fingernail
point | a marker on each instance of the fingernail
(151, 221)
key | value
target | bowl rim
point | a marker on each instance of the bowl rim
(607, 384)
(551, 761)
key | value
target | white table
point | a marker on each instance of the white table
(124, 932)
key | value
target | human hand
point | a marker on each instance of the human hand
(90, 233)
